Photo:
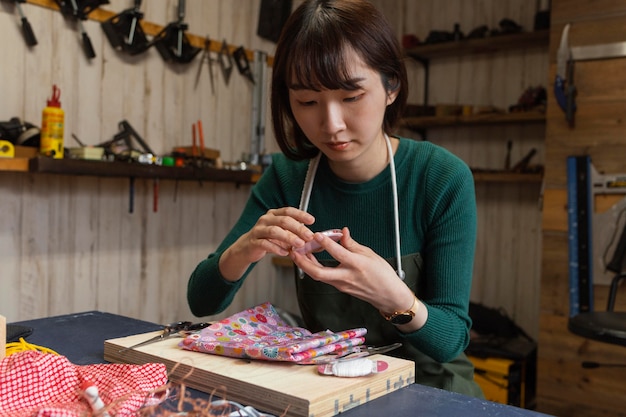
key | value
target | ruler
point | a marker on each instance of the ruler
(579, 217)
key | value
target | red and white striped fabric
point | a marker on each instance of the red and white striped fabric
(45, 385)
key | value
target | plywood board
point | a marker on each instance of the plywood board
(276, 387)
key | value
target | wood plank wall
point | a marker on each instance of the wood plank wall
(68, 244)
(566, 389)
(506, 273)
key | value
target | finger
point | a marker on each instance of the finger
(329, 245)
(296, 214)
(279, 226)
(307, 263)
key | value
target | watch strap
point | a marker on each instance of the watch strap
(401, 317)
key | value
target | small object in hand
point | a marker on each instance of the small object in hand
(353, 368)
(313, 245)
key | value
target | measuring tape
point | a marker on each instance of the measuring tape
(7, 150)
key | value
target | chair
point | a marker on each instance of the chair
(604, 326)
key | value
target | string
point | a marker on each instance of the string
(396, 215)
(354, 368)
(22, 345)
(306, 192)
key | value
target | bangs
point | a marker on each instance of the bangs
(319, 66)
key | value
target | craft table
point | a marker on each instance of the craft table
(80, 337)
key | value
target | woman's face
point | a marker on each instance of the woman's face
(344, 124)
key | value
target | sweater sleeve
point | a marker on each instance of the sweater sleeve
(208, 292)
(449, 259)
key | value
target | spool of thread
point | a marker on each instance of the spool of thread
(168, 161)
(353, 368)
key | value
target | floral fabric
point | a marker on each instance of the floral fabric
(260, 333)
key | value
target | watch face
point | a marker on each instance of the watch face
(401, 318)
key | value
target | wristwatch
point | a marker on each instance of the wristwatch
(401, 317)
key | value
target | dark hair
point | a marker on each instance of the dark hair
(312, 49)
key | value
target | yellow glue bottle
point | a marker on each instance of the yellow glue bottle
(52, 126)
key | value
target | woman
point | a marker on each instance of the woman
(406, 209)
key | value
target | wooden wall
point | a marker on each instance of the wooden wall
(69, 244)
(565, 388)
(506, 272)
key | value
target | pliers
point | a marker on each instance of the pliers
(176, 329)
(564, 89)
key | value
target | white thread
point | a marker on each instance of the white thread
(354, 368)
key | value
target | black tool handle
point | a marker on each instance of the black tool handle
(87, 46)
(27, 31)
(196, 326)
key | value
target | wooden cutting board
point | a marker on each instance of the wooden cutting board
(279, 388)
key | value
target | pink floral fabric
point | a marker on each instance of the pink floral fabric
(260, 333)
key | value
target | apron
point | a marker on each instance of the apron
(324, 307)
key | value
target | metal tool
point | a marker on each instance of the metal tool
(176, 329)
(124, 31)
(79, 10)
(206, 56)
(172, 42)
(243, 64)
(226, 61)
(564, 89)
(350, 353)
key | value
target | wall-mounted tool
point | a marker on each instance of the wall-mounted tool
(226, 62)
(124, 31)
(564, 89)
(243, 65)
(79, 10)
(206, 57)
(172, 42)
(259, 93)
(27, 30)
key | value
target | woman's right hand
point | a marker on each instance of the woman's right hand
(277, 232)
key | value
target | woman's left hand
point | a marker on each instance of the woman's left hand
(361, 273)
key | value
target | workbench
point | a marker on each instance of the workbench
(80, 337)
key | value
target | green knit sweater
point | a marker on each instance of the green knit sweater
(437, 210)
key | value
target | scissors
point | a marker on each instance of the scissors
(354, 352)
(176, 329)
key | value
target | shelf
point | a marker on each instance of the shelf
(507, 176)
(424, 122)
(488, 45)
(126, 170)
(14, 164)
